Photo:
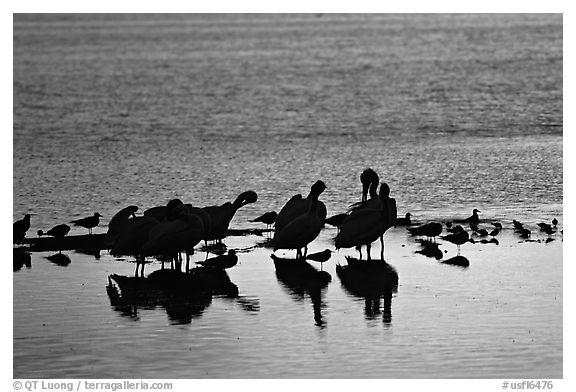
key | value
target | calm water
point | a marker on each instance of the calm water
(454, 111)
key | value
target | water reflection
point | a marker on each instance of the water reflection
(90, 252)
(373, 281)
(459, 261)
(184, 295)
(301, 279)
(59, 259)
(21, 258)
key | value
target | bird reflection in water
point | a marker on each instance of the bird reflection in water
(21, 258)
(184, 295)
(373, 281)
(301, 279)
(59, 259)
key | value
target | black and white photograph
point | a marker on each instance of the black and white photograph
(307, 195)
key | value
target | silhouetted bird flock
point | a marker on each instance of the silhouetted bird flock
(175, 228)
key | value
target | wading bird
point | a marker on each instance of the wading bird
(304, 228)
(89, 222)
(20, 228)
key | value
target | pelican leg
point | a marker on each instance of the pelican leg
(382, 247)
(368, 258)
(136, 271)
(305, 251)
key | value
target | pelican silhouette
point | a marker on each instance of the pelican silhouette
(370, 181)
(220, 216)
(116, 223)
(179, 232)
(89, 222)
(20, 228)
(367, 178)
(304, 228)
(297, 206)
(366, 225)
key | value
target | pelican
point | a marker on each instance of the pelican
(116, 223)
(297, 206)
(304, 228)
(370, 181)
(89, 222)
(220, 216)
(20, 228)
(366, 225)
(367, 178)
(131, 237)
(221, 262)
(179, 231)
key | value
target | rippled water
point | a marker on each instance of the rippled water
(454, 111)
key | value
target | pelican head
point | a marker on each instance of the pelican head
(245, 198)
(318, 188)
(368, 177)
(384, 190)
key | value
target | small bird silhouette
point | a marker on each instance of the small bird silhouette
(268, 218)
(221, 262)
(471, 219)
(404, 221)
(320, 257)
(57, 231)
(517, 225)
(89, 222)
(554, 221)
(458, 238)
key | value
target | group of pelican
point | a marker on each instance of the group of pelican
(172, 229)
(300, 221)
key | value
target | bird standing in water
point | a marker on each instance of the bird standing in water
(220, 216)
(297, 206)
(268, 218)
(304, 228)
(89, 222)
(20, 228)
(366, 225)
(458, 238)
(320, 257)
(471, 219)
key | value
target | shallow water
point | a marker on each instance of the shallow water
(454, 112)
